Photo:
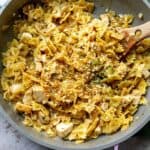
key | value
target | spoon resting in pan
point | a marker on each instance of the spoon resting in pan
(134, 35)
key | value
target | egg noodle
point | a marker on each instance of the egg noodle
(63, 72)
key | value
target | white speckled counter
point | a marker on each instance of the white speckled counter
(10, 139)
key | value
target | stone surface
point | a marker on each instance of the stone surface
(10, 139)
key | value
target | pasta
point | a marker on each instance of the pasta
(63, 73)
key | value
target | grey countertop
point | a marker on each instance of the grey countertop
(10, 139)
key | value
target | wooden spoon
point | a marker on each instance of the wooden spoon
(134, 35)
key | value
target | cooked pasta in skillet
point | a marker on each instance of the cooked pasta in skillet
(63, 72)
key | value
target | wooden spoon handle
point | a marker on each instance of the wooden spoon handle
(131, 36)
(144, 29)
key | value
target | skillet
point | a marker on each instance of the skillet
(105, 141)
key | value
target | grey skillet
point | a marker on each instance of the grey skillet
(120, 6)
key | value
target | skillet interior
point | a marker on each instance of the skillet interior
(123, 6)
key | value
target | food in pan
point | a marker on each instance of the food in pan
(63, 72)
